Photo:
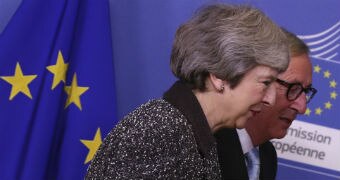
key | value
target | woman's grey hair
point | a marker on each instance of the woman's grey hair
(296, 46)
(227, 41)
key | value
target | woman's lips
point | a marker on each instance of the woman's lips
(253, 112)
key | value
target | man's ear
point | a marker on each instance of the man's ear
(217, 83)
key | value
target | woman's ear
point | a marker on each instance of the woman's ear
(217, 83)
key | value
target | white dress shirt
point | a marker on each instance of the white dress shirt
(245, 140)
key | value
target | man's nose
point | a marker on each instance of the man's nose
(300, 104)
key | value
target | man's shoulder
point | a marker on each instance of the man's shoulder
(225, 132)
(268, 150)
(268, 146)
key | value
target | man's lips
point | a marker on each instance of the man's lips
(287, 120)
(289, 116)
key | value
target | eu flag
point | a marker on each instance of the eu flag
(57, 94)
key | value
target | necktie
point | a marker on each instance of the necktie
(253, 164)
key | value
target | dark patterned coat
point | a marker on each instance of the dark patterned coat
(167, 138)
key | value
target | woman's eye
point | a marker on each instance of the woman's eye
(267, 83)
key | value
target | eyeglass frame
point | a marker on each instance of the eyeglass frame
(305, 90)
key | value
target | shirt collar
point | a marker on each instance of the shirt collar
(245, 140)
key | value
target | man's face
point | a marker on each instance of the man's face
(275, 120)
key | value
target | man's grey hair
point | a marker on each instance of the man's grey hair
(227, 41)
(296, 46)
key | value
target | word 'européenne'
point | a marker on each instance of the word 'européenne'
(284, 147)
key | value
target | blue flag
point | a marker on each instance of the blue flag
(57, 93)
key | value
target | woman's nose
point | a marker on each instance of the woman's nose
(269, 98)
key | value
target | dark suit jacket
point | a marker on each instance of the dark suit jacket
(232, 160)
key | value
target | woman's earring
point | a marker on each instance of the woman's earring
(222, 88)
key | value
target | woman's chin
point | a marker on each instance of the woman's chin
(241, 122)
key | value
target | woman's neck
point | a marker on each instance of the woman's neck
(212, 112)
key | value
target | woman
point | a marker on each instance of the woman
(225, 58)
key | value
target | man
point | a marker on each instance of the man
(294, 90)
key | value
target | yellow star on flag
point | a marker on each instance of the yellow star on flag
(74, 92)
(59, 70)
(317, 68)
(328, 105)
(92, 145)
(308, 111)
(19, 82)
(318, 111)
(333, 95)
(326, 74)
(332, 84)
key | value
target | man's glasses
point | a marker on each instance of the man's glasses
(295, 90)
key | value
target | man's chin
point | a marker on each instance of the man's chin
(281, 135)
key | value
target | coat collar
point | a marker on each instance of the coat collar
(181, 97)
